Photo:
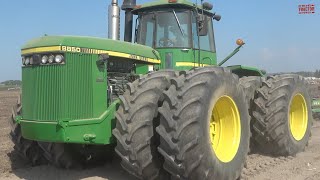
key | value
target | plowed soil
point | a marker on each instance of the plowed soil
(305, 165)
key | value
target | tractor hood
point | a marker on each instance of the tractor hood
(91, 45)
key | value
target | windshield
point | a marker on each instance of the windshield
(163, 29)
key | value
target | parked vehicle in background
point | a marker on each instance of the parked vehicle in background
(316, 108)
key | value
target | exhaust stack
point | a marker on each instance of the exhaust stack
(114, 21)
(128, 6)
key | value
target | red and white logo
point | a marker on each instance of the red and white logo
(307, 9)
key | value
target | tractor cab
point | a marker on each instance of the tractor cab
(180, 31)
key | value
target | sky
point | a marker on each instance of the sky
(278, 39)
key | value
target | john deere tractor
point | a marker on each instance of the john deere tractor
(160, 100)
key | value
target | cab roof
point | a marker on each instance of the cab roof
(165, 4)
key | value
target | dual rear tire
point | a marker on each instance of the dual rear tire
(205, 117)
(282, 116)
(137, 117)
(203, 114)
(204, 127)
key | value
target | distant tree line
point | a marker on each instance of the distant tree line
(11, 83)
(309, 73)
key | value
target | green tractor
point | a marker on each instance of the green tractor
(316, 108)
(160, 100)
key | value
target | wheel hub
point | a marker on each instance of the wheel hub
(225, 129)
(298, 117)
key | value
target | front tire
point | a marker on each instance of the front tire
(76, 156)
(282, 115)
(27, 149)
(61, 155)
(204, 126)
(137, 118)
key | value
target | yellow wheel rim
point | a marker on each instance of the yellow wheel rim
(298, 117)
(225, 129)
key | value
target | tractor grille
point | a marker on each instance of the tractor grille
(59, 92)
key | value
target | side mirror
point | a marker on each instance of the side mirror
(217, 17)
(203, 25)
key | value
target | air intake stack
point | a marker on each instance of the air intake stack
(114, 21)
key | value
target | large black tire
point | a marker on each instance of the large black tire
(250, 85)
(271, 129)
(137, 118)
(184, 125)
(73, 156)
(64, 156)
(27, 149)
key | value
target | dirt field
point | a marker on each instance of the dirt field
(305, 165)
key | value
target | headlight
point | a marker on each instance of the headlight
(31, 61)
(44, 59)
(23, 60)
(27, 61)
(51, 59)
(59, 58)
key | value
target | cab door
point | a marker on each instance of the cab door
(204, 42)
(173, 39)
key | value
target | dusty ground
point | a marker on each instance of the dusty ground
(305, 165)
